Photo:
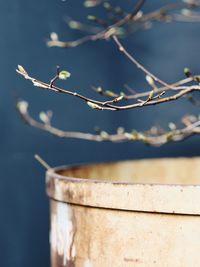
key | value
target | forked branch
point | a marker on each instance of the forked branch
(113, 105)
(153, 137)
(157, 90)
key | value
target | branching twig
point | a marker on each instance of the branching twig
(121, 136)
(134, 95)
(104, 34)
(153, 96)
(161, 14)
(135, 62)
(110, 105)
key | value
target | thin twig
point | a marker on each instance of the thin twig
(104, 34)
(109, 105)
(136, 63)
(42, 161)
(160, 14)
(145, 137)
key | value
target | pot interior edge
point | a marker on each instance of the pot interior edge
(184, 171)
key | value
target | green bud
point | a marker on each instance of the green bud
(120, 130)
(90, 3)
(110, 93)
(54, 36)
(91, 17)
(134, 132)
(22, 70)
(43, 117)
(99, 90)
(74, 24)
(64, 75)
(151, 94)
(104, 134)
(93, 105)
(22, 106)
(119, 98)
(122, 94)
(118, 10)
(187, 72)
(107, 6)
(120, 31)
(150, 80)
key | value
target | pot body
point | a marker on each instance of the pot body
(126, 214)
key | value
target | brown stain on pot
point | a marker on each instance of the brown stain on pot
(143, 213)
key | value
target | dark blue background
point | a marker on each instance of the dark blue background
(24, 26)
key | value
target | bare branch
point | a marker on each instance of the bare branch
(111, 104)
(158, 92)
(148, 137)
(135, 62)
(162, 14)
(104, 34)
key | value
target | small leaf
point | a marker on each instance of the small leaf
(99, 90)
(120, 130)
(187, 72)
(123, 94)
(64, 75)
(22, 106)
(151, 94)
(110, 93)
(22, 70)
(120, 31)
(54, 36)
(119, 98)
(104, 134)
(107, 6)
(43, 117)
(150, 80)
(172, 126)
(91, 17)
(186, 12)
(93, 105)
(74, 24)
(91, 3)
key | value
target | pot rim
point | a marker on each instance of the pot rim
(145, 197)
(53, 171)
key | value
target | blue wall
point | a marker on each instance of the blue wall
(24, 26)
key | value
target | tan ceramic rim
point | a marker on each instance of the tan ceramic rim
(141, 197)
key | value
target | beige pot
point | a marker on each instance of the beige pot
(133, 213)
